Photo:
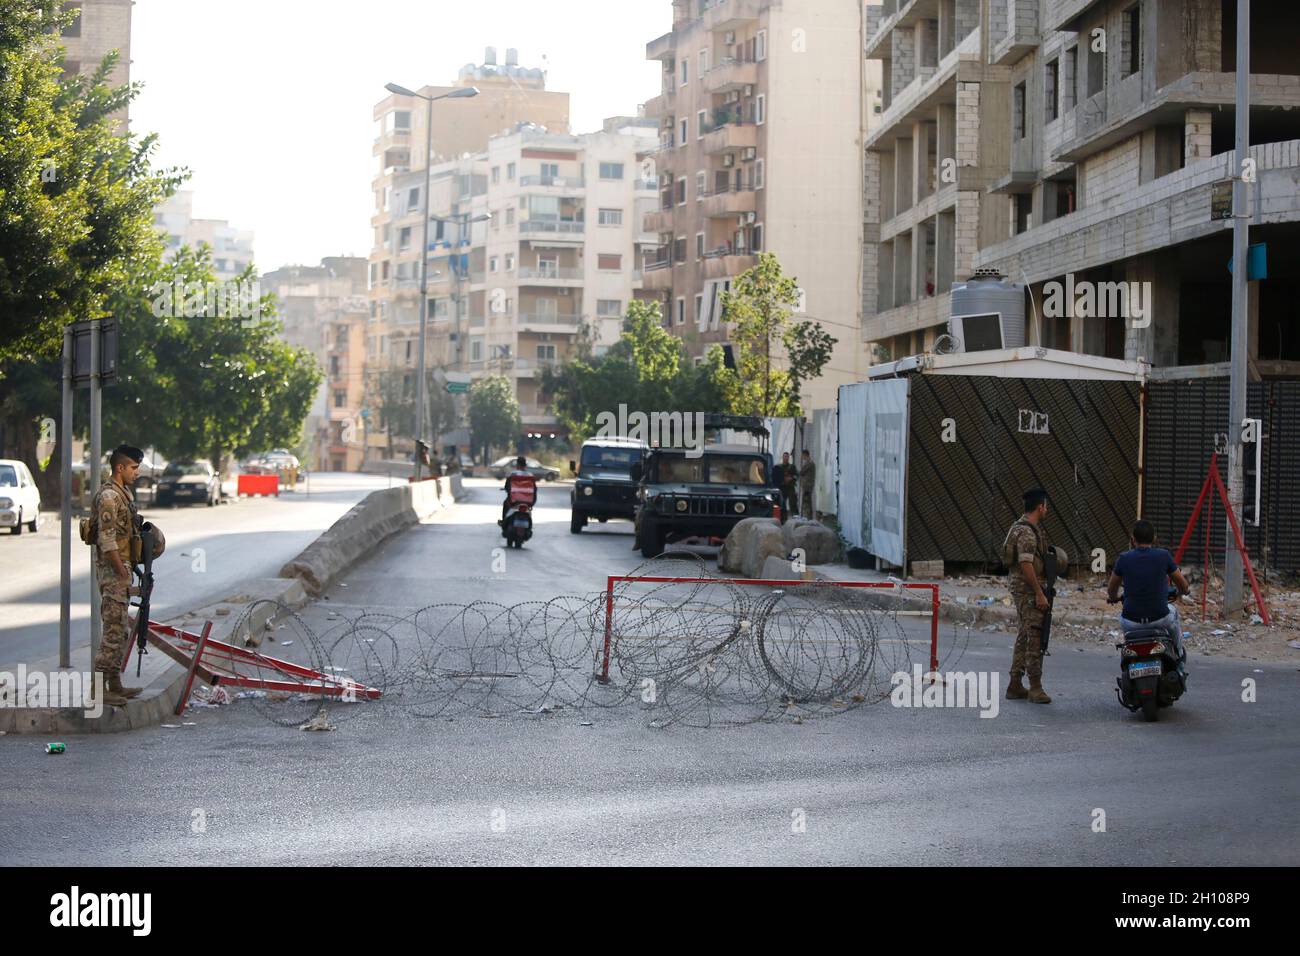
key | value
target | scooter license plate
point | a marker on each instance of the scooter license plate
(1144, 669)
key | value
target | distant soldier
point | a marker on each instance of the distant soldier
(113, 513)
(784, 475)
(1025, 553)
(807, 478)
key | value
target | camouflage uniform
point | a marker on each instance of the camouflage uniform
(807, 478)
(115, 512)
(1026, 542)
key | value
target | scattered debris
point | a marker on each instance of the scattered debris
(584, 723)
(257, 694)
(319, 722)
(222, 611)
(170, 726)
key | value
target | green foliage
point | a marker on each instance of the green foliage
(392, 393)
(775, 356)
(209, 385)
(647, 369)
(494, 420)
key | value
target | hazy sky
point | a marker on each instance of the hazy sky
(268, 102)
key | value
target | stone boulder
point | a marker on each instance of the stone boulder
(819, 543)
(751, 542)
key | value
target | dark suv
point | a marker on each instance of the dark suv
(604, 488)
(702, 496)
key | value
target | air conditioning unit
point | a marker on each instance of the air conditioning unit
(749, 89)
(751, 218)
(729, 160)
(751, 153)
(730, 39)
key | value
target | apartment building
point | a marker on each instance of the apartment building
(101, 27)
(231, 248)
(324, 309)
(1065, 141)
(1120, 152)
(928, 167)
(762, 113)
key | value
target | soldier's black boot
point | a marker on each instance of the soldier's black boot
(1016, 689)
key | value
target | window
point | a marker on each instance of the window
(681, 191)
(682, 140)
(510, 172)
(610, 217)
(413, 199)
(496, 175)
(1024, 204)
(492, 264)
(510, 262)
(401, 119)
(760, 45)
(1096, 70)
(1018, 112)
(550, 171)
(609, 262)
(699, 245)
(701, 183)
(384, 269)
(699, 125)
(1132, 57)
(546, 353)
(611, 170)
(609, 308)
(404, 238)
(699, 309)
(679, 249)
(685, 68)
(73, 29)
(681, 311)
(1051, 83)
(334, 366)
(760, 109)
(760, 174)
(510, 215)
(704, 62)
(340, 399)
(1070, 80)
(476, 350)
(756, 242)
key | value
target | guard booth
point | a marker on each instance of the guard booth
(935, 451)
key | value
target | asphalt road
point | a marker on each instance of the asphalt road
(1212, 783)
(241, 539)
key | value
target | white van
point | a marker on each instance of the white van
(20, 501)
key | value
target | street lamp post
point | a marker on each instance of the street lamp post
(458, 93)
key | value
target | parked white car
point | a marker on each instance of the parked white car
(20, 501)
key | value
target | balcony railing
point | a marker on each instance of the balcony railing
(647, 184)
(577, 180)
(547, 318)
(552, 226)
(658, 264)
(539, 272)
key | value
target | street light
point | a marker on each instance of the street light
(461, 92)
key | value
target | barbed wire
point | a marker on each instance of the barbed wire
(698, 654)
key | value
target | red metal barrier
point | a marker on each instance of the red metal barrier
(258, 485)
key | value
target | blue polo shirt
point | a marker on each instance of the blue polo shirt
(1146, 582)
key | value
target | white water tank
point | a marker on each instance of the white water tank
(988, 312)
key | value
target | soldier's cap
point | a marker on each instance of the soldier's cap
(129, 451)
(1034, 497)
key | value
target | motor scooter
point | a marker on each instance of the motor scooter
(1150, 673)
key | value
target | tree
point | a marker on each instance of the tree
(493, 414)
(76, 215)
(759, 307)
(205, 381)
(646, 370)
(392, 393)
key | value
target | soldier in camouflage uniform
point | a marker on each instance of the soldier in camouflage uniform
(114, 514)
(1025, 552)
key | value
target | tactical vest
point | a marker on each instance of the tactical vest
(1009, 556)
(130, 545)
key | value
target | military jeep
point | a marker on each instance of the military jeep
(685, 494)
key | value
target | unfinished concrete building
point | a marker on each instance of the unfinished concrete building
(1121, 145)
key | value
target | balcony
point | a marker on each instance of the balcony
(730, 14)
(662, 48)
(554, 185)
(1013, 32)
(725, 265)
(730, 74)
(646, 185)
(554, 229)
(657, 275)
(734, 135)
(659, 221)
(550, 276)
(664, 145)
(729, 203)
(558, 324)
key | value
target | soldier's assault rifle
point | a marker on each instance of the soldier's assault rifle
(145, 573)
(1049, 589)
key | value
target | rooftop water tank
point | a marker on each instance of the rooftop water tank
(988, 312)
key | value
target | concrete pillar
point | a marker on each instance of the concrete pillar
(1196, 135)
(1252, 320)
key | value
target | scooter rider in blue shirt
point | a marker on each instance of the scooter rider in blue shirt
(1145, 573)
